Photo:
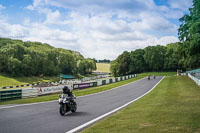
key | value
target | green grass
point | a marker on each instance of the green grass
(172, 107)
(76, 92)
(159, 73)
(14, 81)
(103, 67)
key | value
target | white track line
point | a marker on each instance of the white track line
(113, 111)
(6, 107)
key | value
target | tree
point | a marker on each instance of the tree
(189, 35)
(20, 58)
(121, 66)
(154, 57)
(137, 63)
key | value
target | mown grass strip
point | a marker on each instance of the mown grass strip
(173, 106)
(76, 92)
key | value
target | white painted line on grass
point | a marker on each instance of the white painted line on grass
(111, 112)
(19, 105)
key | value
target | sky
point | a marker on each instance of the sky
(100, 29)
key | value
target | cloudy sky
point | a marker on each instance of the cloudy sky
(96, 28)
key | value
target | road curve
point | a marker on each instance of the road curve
(45, 118)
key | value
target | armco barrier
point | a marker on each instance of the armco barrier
(50, 90)
(99, 82)
(84, 85)
(113, 80)
(107, 81)
(103, 82)
(10, 95)
(29, 92)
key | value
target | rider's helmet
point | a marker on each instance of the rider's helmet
(66, 90)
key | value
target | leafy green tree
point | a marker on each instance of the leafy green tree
(189, 35)
(20, 58)
(122, 64)
(154, 57)
(137, 63)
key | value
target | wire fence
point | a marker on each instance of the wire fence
(194, 75)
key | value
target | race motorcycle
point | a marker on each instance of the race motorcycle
(67, 104)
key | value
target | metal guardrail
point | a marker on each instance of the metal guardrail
(196, 80)
(10, 95)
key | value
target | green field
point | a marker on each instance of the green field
(173, 106)
(159, 73)
(14, 81)
(103, 67)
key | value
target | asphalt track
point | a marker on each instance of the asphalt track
(45, 117)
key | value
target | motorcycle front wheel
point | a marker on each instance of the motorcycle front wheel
(62, 110)
(74, 107)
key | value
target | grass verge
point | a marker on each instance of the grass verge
(159, 73)
(173, 106)
(14, 81)
(76, 92)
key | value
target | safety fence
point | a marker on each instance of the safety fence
(10, 95)
(196, 80)
(100, 82)
(29, 92)
(194, 75)
(69, 81)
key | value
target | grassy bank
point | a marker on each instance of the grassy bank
(103, 67)
(14, 81)
(159, 73)
(76, 92)
(173, 106)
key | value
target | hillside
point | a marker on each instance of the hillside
(103, 67)
(19, 58)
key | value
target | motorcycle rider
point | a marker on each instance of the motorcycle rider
(149, 77)
(68, 92)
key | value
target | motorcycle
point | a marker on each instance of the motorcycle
(67, 104)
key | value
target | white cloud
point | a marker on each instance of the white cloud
(30, 7)
(97, 29)
(52, 17)
(167, 39)
(180, 4)
(2, 7)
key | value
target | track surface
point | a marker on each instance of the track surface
(45, 118)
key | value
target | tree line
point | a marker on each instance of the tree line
(18, 58)
(183, 55)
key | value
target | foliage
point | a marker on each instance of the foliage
(121, 65)
(18, 58)
(189, 35)
(137, 63)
